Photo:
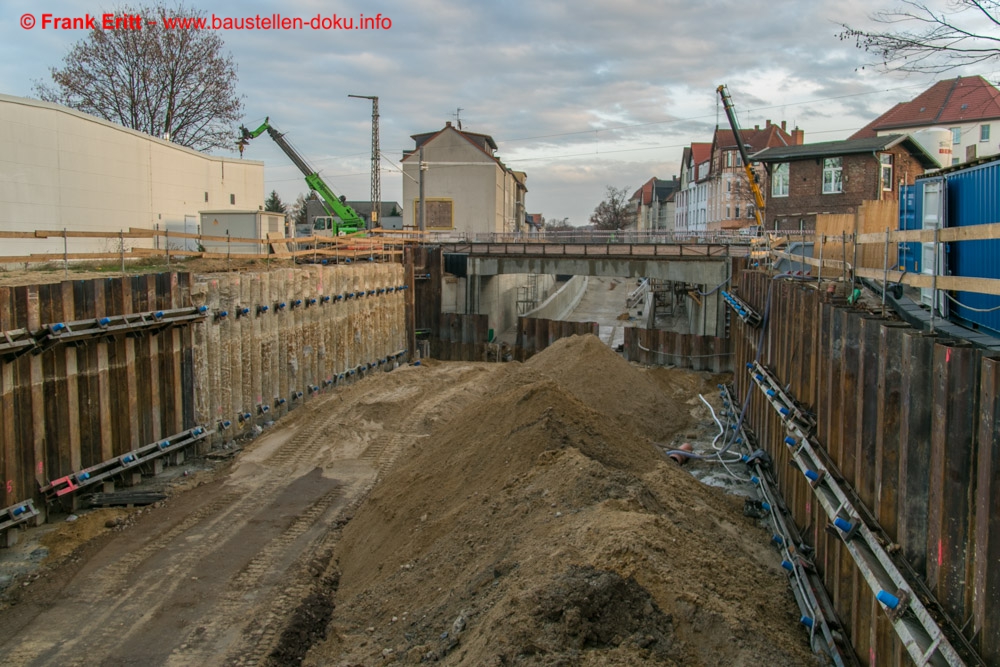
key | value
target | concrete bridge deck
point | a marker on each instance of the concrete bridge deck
(671, 251)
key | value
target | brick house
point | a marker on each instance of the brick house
(837, 176)
(730, 199)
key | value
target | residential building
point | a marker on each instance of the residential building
(731, 202)
(968, 107)
(64, 169)
(691, 200)
(837, 176)
(654, 204)
(467, 188)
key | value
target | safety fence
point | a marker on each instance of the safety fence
(146, 244)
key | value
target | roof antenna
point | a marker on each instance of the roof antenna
(458, 116)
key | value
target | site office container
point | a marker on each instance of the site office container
(972, 197)
(242, 225)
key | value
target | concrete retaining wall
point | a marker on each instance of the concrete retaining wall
(244, 364)
(562, 303)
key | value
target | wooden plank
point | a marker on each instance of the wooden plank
(278, 244)
(986, 583)
(69, 234)
(946, 235)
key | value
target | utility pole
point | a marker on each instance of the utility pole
(423, 204)
(376, 172)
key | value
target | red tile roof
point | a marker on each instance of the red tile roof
(645, 192)
(759, 139)
(700, 152)
(962, 100)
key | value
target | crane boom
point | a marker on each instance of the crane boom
(758, 196)
(350, 221)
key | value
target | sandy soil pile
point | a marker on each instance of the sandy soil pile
(540, 526)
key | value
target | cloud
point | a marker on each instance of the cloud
(580, 95)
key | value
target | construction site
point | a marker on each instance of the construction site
(308, 463)
(365, 445)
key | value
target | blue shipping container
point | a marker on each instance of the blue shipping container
(973, 198)
(911, 203)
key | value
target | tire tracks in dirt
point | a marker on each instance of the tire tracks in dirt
(217, 575)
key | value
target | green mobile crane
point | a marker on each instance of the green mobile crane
(349, 221)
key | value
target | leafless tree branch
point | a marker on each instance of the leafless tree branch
(168, 83)
(966, 32)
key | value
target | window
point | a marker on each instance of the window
(886, 160)
(984, 132)
(727, 212)
(440, 214)
(739, 160)
(956, 135)
(833, 168)
(737, 211)
(779, 180)
(729, 159)
(232, 199)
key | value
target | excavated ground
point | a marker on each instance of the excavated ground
(459, 513)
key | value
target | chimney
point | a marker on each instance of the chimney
(798, 137)
(768, 123)
(783, 126)
(756, 128)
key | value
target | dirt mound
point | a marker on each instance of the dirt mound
(589, 608)
(602, 379)
(532, 528)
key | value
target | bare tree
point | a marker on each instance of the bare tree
(172, 83)
(932, 41)
(614, 212)
(556, 225)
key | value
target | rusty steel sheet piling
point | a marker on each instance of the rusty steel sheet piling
(952, 461)
(986, 580)
(908, 424)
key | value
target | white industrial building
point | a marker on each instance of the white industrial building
(63, 169)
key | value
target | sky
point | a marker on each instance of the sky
(579, 95)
